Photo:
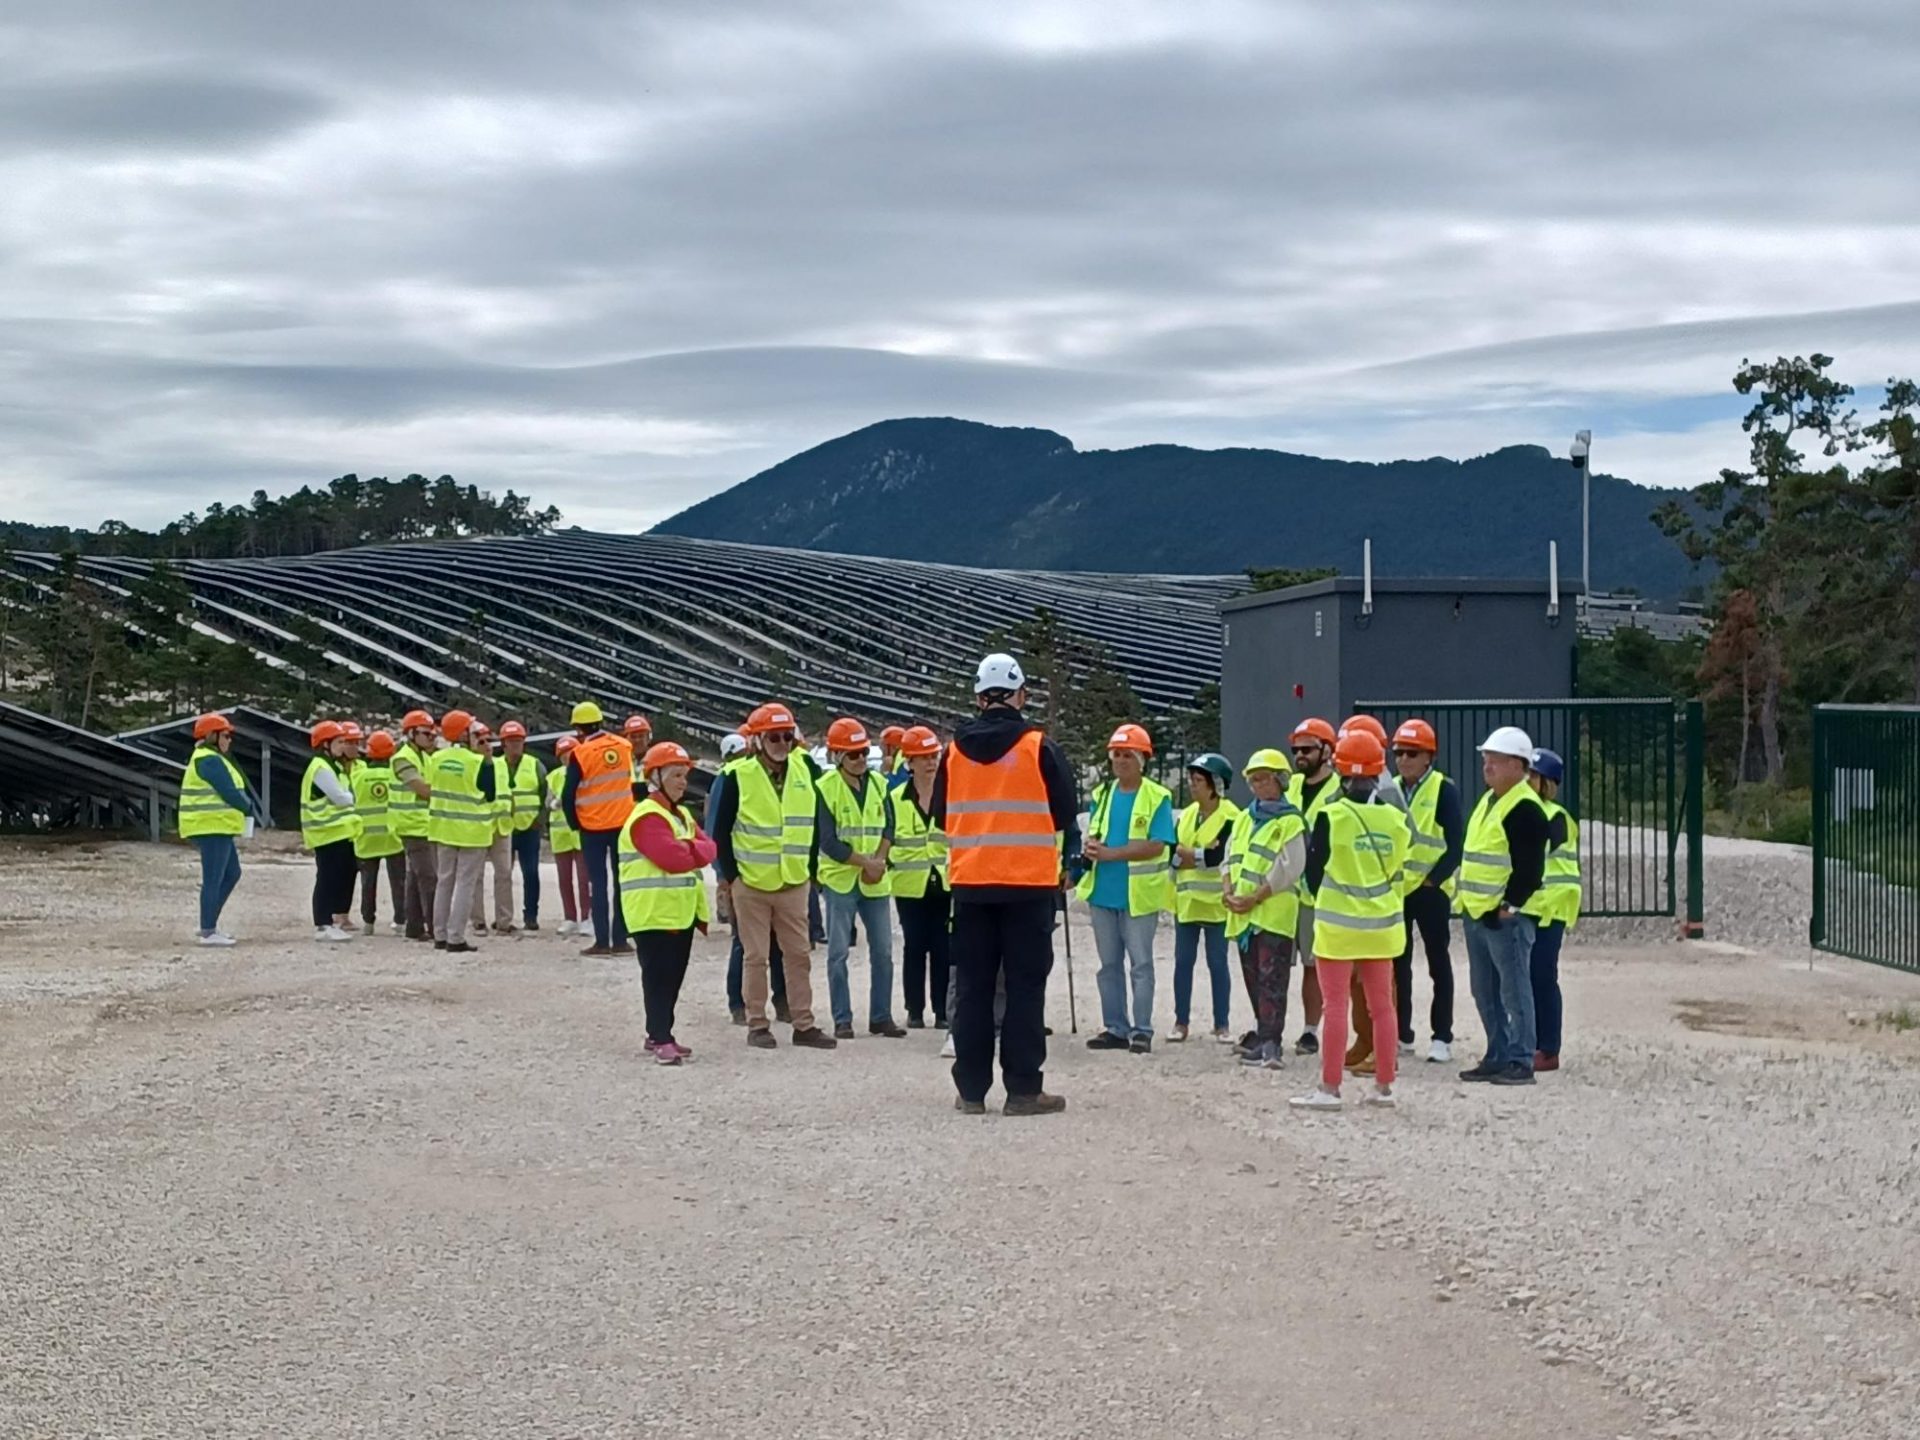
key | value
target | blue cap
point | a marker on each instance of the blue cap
(1548, 766)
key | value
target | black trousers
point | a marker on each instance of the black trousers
(396, 885)
(924, 926)
(1014, 941)
(1430, 912)
(663, 969)
(335, 868)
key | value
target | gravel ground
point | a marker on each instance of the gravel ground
(366, 1190)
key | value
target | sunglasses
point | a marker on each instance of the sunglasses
(1407, 754)
(1305, 749)
(777, 737)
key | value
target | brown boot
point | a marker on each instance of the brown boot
(761, 1038)
(1041, 1104)
(814, 1038)
(888, 1029)
(969, 1107)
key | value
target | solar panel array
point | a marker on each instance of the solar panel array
(701, 629)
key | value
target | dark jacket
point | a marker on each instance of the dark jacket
(983, 740)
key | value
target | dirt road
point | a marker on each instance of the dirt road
(368, 1189)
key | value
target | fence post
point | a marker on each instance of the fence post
(1695, 927)
(1822, 804)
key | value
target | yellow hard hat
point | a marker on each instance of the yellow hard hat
(587, 713)
(1267, 760)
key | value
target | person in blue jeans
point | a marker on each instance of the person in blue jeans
(1202, 831)
(215, 805)
(1129, 833)
(1502, 866)
(854, 830)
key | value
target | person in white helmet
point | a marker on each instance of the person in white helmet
(1502, 866)
(1004, 796)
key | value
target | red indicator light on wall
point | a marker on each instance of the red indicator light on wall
(1299, 692)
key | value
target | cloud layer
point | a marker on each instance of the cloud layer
(623, 255)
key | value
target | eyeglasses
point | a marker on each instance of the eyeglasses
(777, 737)
(1407, 754)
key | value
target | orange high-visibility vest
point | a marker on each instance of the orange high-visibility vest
(999, 824)
(604, 798)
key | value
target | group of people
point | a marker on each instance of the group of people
(1333, 864)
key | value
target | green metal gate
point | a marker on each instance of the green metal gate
(1866, 833)
(1624, 783)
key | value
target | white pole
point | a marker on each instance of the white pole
(1366, 565)
(1553, 578)
(1582, 457)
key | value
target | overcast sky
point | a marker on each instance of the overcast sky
(623, 255)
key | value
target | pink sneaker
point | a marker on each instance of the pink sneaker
(668, 1054)
(652, 1045)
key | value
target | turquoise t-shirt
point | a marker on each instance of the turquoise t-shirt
(1110, 876)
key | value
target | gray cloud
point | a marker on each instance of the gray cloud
(653, 247)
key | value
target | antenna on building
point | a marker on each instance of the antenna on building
(1553, 582)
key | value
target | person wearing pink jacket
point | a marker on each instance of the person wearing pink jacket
(663, 896)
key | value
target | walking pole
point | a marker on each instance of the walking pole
(1066, 924)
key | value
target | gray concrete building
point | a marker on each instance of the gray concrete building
(1316, 649)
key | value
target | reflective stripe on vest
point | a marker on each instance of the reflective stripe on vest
(1558, 897)
(457, 815)
(1487, 864)
(408, 811)
(373, 785)
(604, 797)
(1148, 887)
(1429, 845)
(652, 898)
(919, 847)
(202, 811)
(565, 839)
(1357, 910)
(1196, 888)
(773, 832)
(323, 821)
(1250, 855)
(999, 825)
(860, 823)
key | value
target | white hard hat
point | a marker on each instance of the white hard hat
(998, 672)
(1508, 740)
(732, 744)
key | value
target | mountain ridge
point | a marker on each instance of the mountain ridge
(968, 493)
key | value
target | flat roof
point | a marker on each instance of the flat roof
(1396, 585)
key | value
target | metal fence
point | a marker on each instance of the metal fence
(1866, 833)
(1625, 783)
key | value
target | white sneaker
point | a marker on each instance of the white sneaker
(946, 1050)
(216, 938)
(566, 928)
(1315, 1100)
(1439, 1053)
(1382, 1097)
(398, 927)
(1406, 1047)
(331, 934)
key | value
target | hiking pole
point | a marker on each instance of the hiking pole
(1066, 924)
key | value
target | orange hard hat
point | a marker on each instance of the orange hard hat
(846, 733)
(208, 725)
(350, 730)
(455, 724)
(1315, 729)
(1358, 753)
(1416, 735)
(664, 752)
(565, 746)
(771, 716)
(380, 746)
(1131, 737)
(479, 731)
(416, 720)
(1367, 724)
(638, 725)
(513, 730)
(894, 734)
(325, 732)
(918, 740)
